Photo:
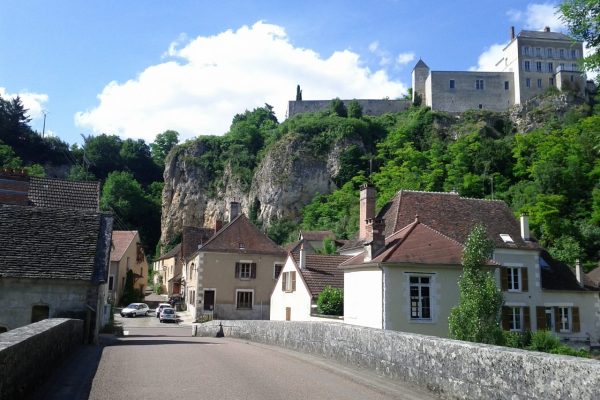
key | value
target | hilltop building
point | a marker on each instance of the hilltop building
(531, 63)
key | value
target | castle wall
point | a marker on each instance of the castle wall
(465, 94)
(369, 106)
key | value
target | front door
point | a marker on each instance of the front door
(209, 300)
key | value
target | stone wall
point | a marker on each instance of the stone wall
(450, 368)
(369, 106)
(29, 353)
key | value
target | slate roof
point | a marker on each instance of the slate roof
(241, 236)
(544, 35)
(192, 236)
(58, 193)
(321, 271)
(594, 277)
(419, 64)
(121, 241)
(557, 275)
(454, 216)
(171, 253)
(51, 243)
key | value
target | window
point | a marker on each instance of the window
(505, 85)
(561, 53)
(451, 83)
(514, 279)
(111, 282)
(526, 50)
(550, 67)
(549, 53)
(561, 65)
(481, 106)
(538, 51)
(244, 299)
(479, 84)
(527, 66)
(573, 53)
(288, 281)
(573, 67)
(277, 270)
(549, 314)
(538, 66)
(245, 270)
(528, 82)
(550, 81)
(515, 322)
(420, 298)
(539, 83)
(564, 322)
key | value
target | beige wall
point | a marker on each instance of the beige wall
(119, 269)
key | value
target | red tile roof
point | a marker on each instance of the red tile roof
(317, 235)
(171, 253)
(121, 241)
(321, 271)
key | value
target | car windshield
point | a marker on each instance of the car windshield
(134, 306)
(168, 311)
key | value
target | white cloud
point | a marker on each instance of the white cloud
(488, 59)
(537, 16)
(33, 102)
(373, 46)
(210, 79)
(405, 58)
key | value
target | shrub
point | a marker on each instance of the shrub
(544, 341)
(518, 340)
(568, 351)
(331, 301)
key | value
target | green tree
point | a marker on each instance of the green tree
(583, 20)
(331, 301)
(355, 109)
(8, 158)
(477, 316)
(338, 108)
(129, 295)
(79, 173)
(162, 145)
(135, 155)
(104, 154)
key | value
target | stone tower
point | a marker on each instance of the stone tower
(419, 75)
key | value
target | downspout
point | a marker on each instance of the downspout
(383, 311)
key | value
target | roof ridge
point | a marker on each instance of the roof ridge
(443, 235)
(448, 194)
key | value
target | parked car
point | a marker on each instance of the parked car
(168, 314)
(160, 307)
(135, 309)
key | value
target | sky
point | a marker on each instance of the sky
(137, 68)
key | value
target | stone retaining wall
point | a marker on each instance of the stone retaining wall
(453, 369)
(28, 354)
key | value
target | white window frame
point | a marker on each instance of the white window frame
(420, 297)
(516, 321)
(566, 321)
(538, 51)
(512, 271)
(549, 52)
(538, 66)
(550, 67)
(237, 306)
(288, 281)
(479, 84)
(527, 65)
(561, 53)
(243, 265)
(550, 311)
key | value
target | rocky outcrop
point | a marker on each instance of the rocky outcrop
(537, 111)
(288, 177)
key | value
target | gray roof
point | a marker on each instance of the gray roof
(545, 35)
(420, 64)
(52, 243)
(58, 193)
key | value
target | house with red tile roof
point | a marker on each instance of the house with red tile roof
(127, 254)
(303, 278)
(231, 276)
(407, 261)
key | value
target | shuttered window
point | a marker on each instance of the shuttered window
(288, 281)
(516, 318)
(514, 279)
(245, 270)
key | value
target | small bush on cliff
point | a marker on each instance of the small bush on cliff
(477, 316)
(331, 301)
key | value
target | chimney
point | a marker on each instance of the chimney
(234, 210)
(14, 187)
(547, 29)
(375, 240)
(512, 32)
(218, 225)
(578, 272)
(302, 257)
(367, 208)
(525, 227)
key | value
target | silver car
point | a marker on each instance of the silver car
(135, 309)
(160, 307)
(168, 315)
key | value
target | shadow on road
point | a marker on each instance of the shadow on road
(122, 342)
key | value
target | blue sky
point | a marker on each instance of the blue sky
(137, 68)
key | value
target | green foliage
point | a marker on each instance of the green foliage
(8, 158)
(517, 340)
(477, 316)
(582, 17)
(80, 173)
(329, 247)
(282, 231)
(331, 301)
(130, 295)
(162, 145)
(544, 341)
(355, 109)
(338, 108)
(35, 170)
(566, 249)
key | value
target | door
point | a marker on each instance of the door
(209, 300)
(288, 313)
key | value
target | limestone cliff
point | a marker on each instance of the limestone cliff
(289, 175)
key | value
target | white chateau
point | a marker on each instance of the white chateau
(532, 62)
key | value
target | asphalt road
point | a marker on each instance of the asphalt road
(158, 361)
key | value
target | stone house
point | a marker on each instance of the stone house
(302, 279)
(168, 270)
(232, 275)
(410, 264)
(531, 63)
(55, 252)
(126, 254)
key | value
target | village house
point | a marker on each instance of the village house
(410, 264)
(55, 252)
(127, 254)
(232, 275)
(301, 281)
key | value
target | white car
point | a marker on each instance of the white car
(135, 309)
(160, 308)
(168, 315)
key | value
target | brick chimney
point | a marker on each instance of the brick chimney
(234, 210)
(375, 240)
(14, 187)
(367, 208)
(512, 32)
(525, 227)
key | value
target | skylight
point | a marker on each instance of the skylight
(506, 238)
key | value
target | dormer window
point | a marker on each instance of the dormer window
(242, 245)
(506, 238)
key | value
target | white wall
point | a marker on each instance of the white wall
(299, 301)
(363, 297)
